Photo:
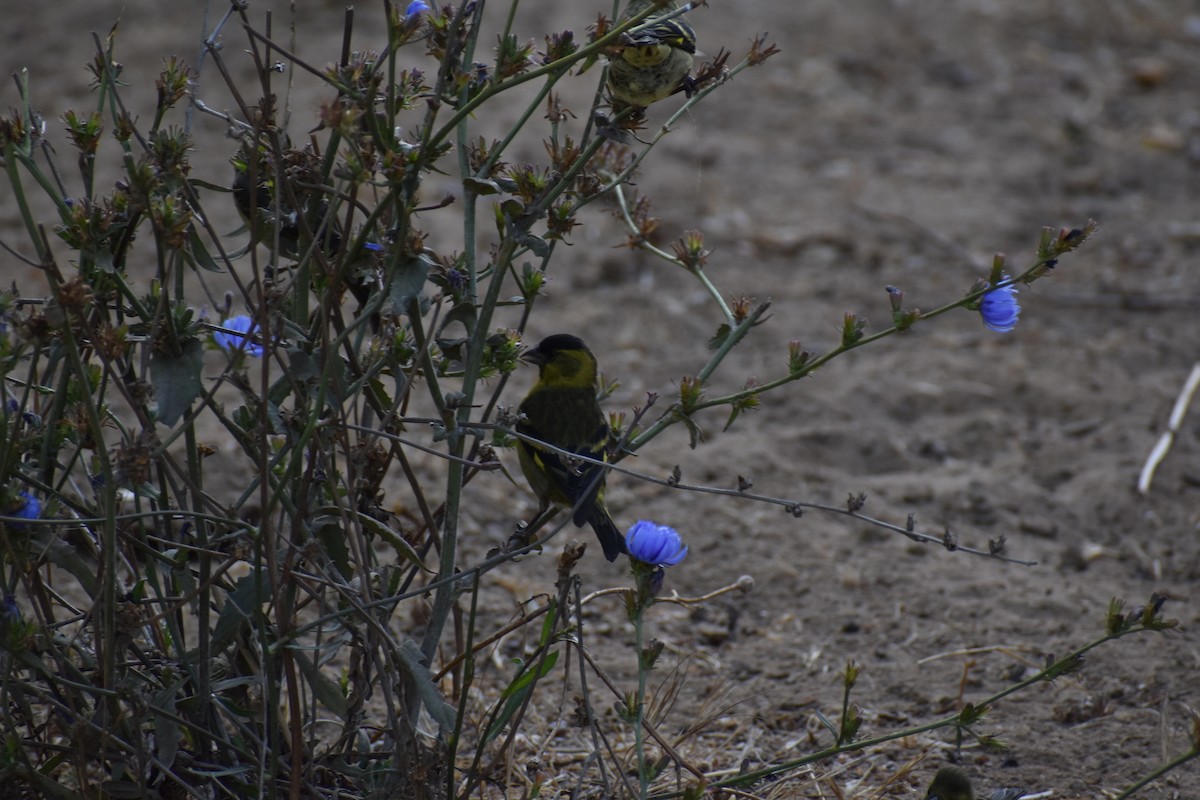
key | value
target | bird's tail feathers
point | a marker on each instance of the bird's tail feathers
(611, 539)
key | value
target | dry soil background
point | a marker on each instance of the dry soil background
(890, 143)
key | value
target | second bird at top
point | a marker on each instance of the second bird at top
(655, 62)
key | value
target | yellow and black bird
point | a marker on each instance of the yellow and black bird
(654, 62)
(561, 410)
(952, 783)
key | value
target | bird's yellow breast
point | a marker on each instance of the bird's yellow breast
(650, 55)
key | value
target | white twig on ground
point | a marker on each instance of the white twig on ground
(1163, 446)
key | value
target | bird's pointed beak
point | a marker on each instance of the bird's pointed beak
(534, 356)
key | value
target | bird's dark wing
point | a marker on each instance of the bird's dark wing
(578, 482)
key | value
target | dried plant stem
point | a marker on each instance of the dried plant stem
(1163, 445)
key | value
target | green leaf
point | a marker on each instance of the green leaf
(516, 693)
(548, 623)
(332, 517)
(324, 688)
(506, 212)
(481, 186)
(177, 381)
(310, 369)
(537, 245)
(238, 610)
(302, 367)
(166, 729)
(102, 258)
(50, 544)
(212, 187)
(465, 315)
(718, 338)
(407, 283)
(376, 388)
(695, 435)
(971, 713)
(402, 548)
(414, 662)
(331, 533)
(197, 254)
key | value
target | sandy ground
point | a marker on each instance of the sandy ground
(890, 143)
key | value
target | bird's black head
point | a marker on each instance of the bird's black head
(563, 362)
(950, 783)
(550, 346)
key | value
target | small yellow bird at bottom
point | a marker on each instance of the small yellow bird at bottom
(561, 410)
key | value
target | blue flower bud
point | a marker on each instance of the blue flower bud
(655, 544)
(1000, 309)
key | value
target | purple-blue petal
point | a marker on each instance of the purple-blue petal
(655, 544)
(416, 7)
(30, 509)
(245, 328)
(1000, 309)
(9, 610)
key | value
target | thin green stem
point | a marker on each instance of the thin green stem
(639, 730)
(618, 192)
(671, 416)
(1158, 772)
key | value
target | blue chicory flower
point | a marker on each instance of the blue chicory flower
(245, 328)
(1000, 309)
(416, 7)
(30, 509)
(10, 612)
(655, 544)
